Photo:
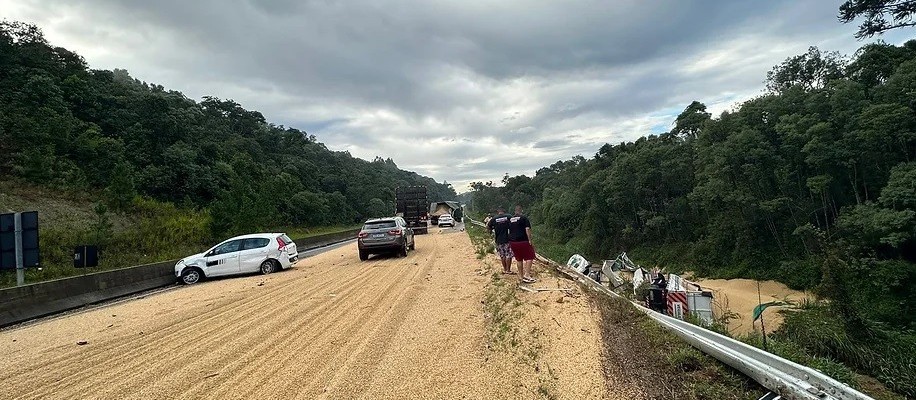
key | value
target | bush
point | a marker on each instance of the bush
(154, 231)
(789, 350)
(798, 275)
(819, 333)
(121, 191)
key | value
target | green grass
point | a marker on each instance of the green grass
(811, 336)
(501, 304)
(151, 231)
(481, 239)
(154, 232)
(654, 356)
(502, 308)
(504, 313)
(815, 335)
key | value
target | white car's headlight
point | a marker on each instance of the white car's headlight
(179, 264)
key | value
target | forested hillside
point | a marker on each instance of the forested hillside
(812, 184)
(72, 128)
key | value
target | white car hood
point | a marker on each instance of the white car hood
(192, 259)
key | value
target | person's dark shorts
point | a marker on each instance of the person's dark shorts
(504, 251)
(523, 251)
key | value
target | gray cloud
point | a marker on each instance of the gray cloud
(460, 91)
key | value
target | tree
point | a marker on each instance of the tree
(900, 192)
(70, 127)
(809, 71)
(121, 191)
(101, 232)
(761, 191)
(377, 208)
(875, 62)
(310, 209)
(691, 121)
(880, 15)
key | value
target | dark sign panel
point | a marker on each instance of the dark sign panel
(86, 256)
(7, 242)
(30, 256)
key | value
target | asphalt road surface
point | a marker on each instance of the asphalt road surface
(331, 327)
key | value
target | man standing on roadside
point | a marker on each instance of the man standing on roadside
(520, 242)
(499, 227)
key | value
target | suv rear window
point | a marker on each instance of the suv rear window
(379, 225)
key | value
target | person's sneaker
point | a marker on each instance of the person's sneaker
(529, 280)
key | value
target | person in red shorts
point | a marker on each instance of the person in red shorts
(520, 242)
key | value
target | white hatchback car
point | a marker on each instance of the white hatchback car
(260, 252)
(446, 219)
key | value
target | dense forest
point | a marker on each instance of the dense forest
(67, 126)
(812, 183)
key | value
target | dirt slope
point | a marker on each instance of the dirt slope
(332, 327)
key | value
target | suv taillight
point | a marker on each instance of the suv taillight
(363, 235)
(394, 232)
(280, 244)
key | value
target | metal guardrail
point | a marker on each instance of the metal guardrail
(789, 379)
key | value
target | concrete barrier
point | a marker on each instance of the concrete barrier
(37, 300)
(27, 302)
(324, 240)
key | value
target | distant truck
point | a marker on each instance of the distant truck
(452, 208)
(412, 205)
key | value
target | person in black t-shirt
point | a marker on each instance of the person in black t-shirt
(499, 227)
(520, 242)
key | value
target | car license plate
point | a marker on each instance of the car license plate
(378, 235)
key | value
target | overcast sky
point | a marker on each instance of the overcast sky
(456, 90)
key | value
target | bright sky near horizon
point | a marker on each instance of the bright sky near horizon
(459, 91)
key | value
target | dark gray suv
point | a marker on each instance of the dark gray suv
(385, 235)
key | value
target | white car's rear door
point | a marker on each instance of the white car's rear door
(254, 252)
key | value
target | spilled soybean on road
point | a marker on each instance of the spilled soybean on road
(332, 327)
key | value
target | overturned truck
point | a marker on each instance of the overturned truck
(445, 207)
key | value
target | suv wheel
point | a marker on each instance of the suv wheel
(363, 255)
(403, 252)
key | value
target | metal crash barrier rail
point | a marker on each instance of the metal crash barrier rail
(789, 379)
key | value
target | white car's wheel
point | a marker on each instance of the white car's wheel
(267, 267)
(190, 276)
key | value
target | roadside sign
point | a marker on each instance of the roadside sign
(85, 256)
(7, 242)
(19, 243)
(30, 255)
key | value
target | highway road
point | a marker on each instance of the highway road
(331, 327)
